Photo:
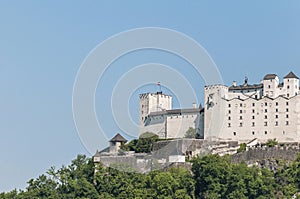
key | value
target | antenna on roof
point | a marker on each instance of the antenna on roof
(159, 88)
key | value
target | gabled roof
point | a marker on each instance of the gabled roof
(291, 75)
(270, 76)
(118, 138)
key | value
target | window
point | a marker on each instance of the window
(253, 117)
(241, 117)
(276, 123)
(288, 95)
(229, 124)
(266, 117)
(288, 87)
(229, 105)
(266, 132)
(287, 123)
(277, 110)
(229, 118)
(256, 96)
(142, 112)
(269, 86)
(266, 110)
(239, 97)
(287, 110)
(253, 104)
(241, 105)
(276, 116)
(253, 132)
(229, 111)
(266, 104)
(253, 123)
(266, 123)
(234, 133)
(276, 103)
(241, 111)
(253, 111)
(287, 116)
(287, 103)
(241, 124)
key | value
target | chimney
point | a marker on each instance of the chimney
(234, 83)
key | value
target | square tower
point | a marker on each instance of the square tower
(153, 102)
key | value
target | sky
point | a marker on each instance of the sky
(44, 43)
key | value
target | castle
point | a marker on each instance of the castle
(231, 115)
(263, 111)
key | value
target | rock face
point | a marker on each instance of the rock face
(268, 157)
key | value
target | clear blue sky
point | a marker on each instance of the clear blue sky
(42, 45)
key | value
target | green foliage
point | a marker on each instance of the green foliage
(272, 143)
(142, 145)
(242, 148)
(212, 177)
(191, 133)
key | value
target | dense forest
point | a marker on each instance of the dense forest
(211, 176)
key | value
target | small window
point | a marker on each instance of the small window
(266, 123)
(229, 111)
(253, 104)
(239, 97)
(241, 105)
(253, 117)
(288, 87)
(241, 117)
(229, 118)
(287, 116)
(276, 116)
(287, 110)
(234, 133)
(253, 132)
(241, 111)
(266, 104)
(288, 95)
(266, 110)
(241, 124)
(253, 111)
(276, 103)
(277, 110)
(266, 132)
(266, 117)
(276, 123)
(269, 86)
(287, 103)
(287, 122)
(229, 124)
(229, 105)
(253, 123)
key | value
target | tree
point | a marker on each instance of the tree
(191, 133)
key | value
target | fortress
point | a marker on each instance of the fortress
(231, 115)
(263, 111)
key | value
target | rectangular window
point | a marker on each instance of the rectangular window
(287, 110)
(266, 117)
(241, 111)
(266, 110)
(253, 117)
(276, 123)
(253, 111)
(253, 104)
(287, 116)
(253, 123)
(287, 103)
(266, 104)
(276, 116)
(229, 118)
(266, 123)
(287, 122)
(229, 111)
(241, 124)
(241, 105)
(276, 103)
(229, 105)
(277, 110)
(229, 125)
(241, 117)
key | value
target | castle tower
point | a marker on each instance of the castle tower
(271, 83)
(290, 85)
(153, 102)
(214, 110)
